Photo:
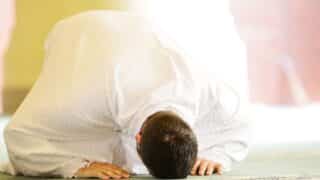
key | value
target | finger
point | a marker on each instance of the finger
(111, 174)
(113, 168)
(218, 169)
(103, 176)
(203, 167)
(210, 169)
(114, 171)
(118, 171)
(195, 167)
(121, 172)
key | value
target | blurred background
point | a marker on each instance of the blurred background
(267, 50)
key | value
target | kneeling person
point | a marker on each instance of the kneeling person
(112, 101)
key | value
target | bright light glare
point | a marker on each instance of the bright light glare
(204, 31)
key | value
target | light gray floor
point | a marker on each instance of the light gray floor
(280, 161)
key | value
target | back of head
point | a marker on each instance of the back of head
(168, 146)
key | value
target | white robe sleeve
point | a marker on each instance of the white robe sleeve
(222, 132)
(42, 160)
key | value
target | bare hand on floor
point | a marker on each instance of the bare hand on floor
(205, 167)
(102, 171)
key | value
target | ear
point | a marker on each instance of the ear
(138, 137)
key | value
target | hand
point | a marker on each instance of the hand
(205, 167)
(102, 171)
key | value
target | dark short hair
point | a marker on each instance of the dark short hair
(168, 146)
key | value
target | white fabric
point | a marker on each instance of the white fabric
(104, 73)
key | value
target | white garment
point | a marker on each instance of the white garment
(105, 72)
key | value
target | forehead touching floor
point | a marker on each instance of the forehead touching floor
(278, 161)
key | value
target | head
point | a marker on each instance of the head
(167, 145)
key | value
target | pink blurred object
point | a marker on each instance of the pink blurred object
(7, 16)
(282, 39)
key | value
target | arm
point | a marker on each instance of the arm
(48, 160)
(223, 133)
